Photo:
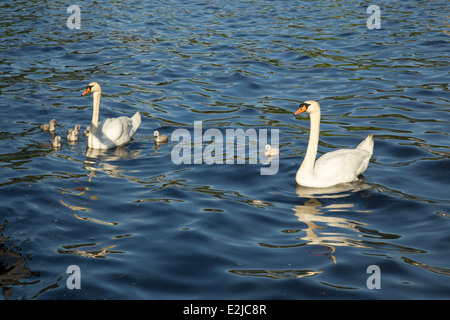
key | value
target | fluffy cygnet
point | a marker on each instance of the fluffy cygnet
(49, 126)
(271, 151)
(56, 143)
(72, 135)
(87, 131)
(160, 137)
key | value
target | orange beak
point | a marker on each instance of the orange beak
(301, 109)
(86, 91)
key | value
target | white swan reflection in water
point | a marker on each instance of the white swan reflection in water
(320, 226)
(96, 160)
(99, 160)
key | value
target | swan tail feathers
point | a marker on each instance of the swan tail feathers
(135, 123)
(367, 144)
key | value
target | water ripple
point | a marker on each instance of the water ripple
(141, 227)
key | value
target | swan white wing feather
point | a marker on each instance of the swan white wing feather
(342, 165)
(114, 132)
(116, 129)
(367, 144)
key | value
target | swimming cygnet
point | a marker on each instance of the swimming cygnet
(271, 151)
(76, 128)
(49, 126)
(56, 143)
(160, 137)
(72, 135)
(87, 131)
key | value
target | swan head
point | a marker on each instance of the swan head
(309, 106)
(92, 87)
(268, 147)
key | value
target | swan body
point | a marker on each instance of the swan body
(270, 152)
(160, 137)
(112, 132)
(340, 166)
(49, 126)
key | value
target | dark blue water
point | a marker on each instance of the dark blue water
(139, 226)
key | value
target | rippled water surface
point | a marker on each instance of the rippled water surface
(140, 226)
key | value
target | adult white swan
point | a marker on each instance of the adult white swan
(112, 132)
(339, 166)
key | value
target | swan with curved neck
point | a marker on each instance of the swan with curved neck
(339, 166)
(112, 132)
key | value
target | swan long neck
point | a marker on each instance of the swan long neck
(313, 143)
(96, 111)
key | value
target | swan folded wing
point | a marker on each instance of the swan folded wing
(344, 164)
(117, 130)
(367, 144)
(136, 122)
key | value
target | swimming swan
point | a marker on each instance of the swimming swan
(112, 132)
(339, 166)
